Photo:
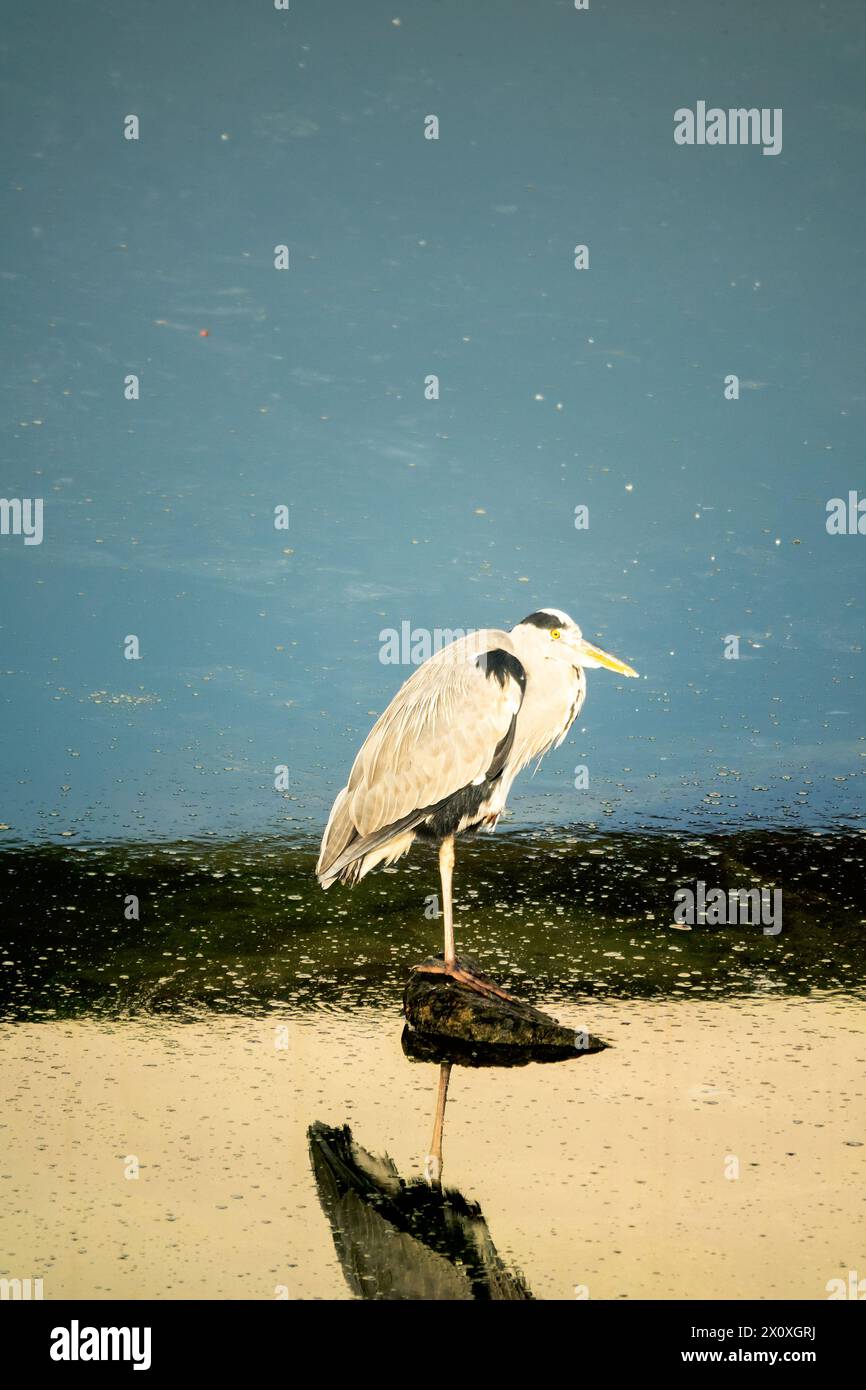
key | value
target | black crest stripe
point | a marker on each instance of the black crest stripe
(545, 620)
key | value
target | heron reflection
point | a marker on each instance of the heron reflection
(406, 1239)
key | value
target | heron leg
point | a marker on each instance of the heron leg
(446, 872)
(433, 1164)
(449, 965)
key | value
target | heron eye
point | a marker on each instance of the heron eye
(555, 633)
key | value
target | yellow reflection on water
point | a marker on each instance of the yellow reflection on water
(609, 1173)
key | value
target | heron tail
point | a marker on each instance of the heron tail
(349, 856)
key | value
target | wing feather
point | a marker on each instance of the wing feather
(440, 733)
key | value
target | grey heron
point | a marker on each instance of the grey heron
(442, 757)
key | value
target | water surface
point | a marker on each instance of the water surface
(559, 388)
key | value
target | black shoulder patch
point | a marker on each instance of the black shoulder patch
(545, 620)
(502, 664)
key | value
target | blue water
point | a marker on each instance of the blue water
(409, 257)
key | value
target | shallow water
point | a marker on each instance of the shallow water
(246, 1006)
(238, 926)
(607, 1172)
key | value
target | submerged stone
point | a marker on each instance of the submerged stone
(448, 1019)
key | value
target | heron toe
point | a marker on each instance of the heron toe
(464, 975)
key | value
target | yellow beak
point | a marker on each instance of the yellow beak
(588, 655)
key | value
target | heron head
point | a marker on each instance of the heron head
(559, 638)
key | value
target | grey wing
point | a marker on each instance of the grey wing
(446, 728)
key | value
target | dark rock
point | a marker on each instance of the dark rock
(449, 1021)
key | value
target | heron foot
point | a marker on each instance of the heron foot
(463, 976)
